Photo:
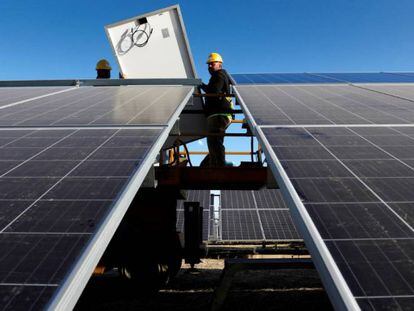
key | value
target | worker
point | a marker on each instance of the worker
(103, 69)
(217, 111)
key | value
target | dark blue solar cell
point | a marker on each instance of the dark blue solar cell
(300, 78)
(276, 78)
(240, 79)
(257, 78)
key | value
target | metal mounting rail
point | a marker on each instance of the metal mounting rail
(45, 83)
(118, 82)
(98, 82)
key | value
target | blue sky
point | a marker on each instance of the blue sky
(49, 39)
(64, 39)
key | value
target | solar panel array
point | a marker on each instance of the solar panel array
(243, 216)
(97, 106)
(255, 216)
(343, 157)
(66, 181)
(324, 104)
(400, 90)
(305, 78)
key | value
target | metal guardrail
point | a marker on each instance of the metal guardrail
(24, 83)
(117, 82)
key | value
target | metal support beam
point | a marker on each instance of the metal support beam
(205, 134)
(201, 111)
(212, 95)
(99, 82)
(118, 82)
(240, 178)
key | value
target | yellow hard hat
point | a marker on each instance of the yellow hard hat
(214, 57)
(103, 64)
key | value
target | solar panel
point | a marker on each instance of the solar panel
(13, 95)
(99, 106)
(405, 91)
(242, 216)
(262, 199)
(280, 78)
(17, 297)
(312, 78)
(405, 73)
(255, 215)
(347, 178)
(64, 189)
(277, 224)
(269, 199)
(327, 104)
(49, 209)
(371, 77)
(233, 199)
(241, 225)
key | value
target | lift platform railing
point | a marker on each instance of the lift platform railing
(206, 152)
(176, 155)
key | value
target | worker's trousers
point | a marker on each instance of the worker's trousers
(216, 150)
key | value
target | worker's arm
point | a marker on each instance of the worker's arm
(215, 85)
